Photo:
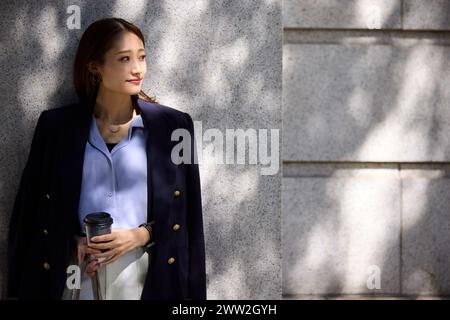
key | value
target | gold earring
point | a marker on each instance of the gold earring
(95, 80)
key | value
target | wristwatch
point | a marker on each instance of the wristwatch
(148, 226)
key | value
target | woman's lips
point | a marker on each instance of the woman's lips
(134, 81)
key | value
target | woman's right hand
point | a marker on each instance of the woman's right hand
(91, 267)
(84, 253)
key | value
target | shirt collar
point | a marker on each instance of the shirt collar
(96, 140)
(137, 122)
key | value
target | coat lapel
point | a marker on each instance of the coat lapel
(75, 135)
(160, 168)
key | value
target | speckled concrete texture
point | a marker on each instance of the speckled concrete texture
(426, 233)
(366, 148)
(366, 102)
(426, 15)
(220, 61)
(333, 14)
(337, 229)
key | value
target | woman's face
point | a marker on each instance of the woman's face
(125, 61)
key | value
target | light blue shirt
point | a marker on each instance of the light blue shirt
(116, 181)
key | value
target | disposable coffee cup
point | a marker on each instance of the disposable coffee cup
(97, 224)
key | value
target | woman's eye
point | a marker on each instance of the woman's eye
(122, 59)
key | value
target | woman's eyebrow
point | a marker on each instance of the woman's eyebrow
(123, 51)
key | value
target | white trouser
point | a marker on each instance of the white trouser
(121, 280)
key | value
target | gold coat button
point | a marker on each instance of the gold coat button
(171, 260)
(46, 266)
(177, 193)
(176, 227)
(45, 232)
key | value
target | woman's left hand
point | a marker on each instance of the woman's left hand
(117, 243)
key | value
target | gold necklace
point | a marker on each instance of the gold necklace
(118, 126)
(110, 127)
(111, 130)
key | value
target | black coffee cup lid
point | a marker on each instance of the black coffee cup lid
(98, 218)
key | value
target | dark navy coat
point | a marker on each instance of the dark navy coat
(45, 213)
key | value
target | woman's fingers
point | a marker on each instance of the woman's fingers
(83, 250)
(91, 268)
(92, 250)
(103, 238)
(80, 255)
(105, 254)
(110, 260)
(81, 244)
(101, 246)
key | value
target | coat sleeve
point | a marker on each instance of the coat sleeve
(21, 222)
(197, 272)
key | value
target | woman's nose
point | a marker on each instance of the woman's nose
(137, 69)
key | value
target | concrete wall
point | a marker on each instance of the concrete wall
(218, 60)
(364, 143)
(366, 148)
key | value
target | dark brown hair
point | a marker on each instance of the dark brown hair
(96, 40)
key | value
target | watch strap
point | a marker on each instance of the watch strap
(149, 227)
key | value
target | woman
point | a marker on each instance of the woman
(111, 152)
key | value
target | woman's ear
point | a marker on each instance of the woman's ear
(93, 68)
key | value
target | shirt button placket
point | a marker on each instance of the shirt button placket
(113, 182)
